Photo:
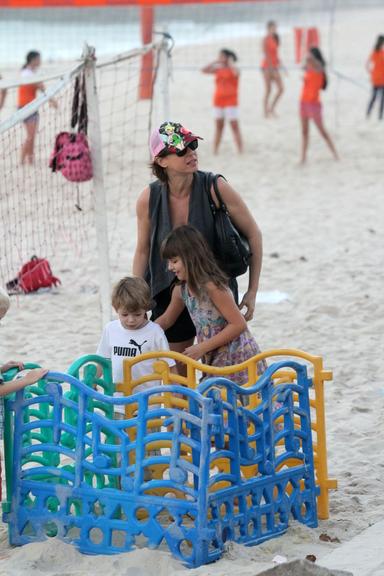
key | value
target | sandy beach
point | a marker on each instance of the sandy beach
(323, 236)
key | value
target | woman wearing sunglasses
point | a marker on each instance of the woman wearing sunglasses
(179, 196)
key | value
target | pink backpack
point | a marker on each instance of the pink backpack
(72, 157)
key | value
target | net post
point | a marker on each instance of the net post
(162, 93)
(95, 142)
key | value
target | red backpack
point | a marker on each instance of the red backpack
(36, 274)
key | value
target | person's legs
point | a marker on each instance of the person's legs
(276, 78)
(305, 138)
(218, 134)
(372, 101)
(237, 134)
(381, 110)
(319, 123)
(267, 82)
(27, 150)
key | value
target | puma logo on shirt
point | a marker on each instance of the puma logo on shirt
(139, 346)
(127, 351)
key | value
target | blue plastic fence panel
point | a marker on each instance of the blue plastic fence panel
(168, 475)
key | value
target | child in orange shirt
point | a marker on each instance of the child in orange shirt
(375, 67)
(315, 80)
(226, 96)
(270, 67)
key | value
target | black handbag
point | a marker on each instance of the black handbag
(231, 247)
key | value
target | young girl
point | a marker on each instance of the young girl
(375, 67)
(226, 96)
(271, 69)
(26, 94)
(315, 79)
(223, 338)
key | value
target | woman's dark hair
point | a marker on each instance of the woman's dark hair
(271, 23)
(317, 55)
(229, 54)
(188, 244)
(379, 43)
(159, 172)
(30, 57)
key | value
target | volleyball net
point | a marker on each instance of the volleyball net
(42, 213)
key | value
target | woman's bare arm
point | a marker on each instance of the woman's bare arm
(210, 68)
(140, 258)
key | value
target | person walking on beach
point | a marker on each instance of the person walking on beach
(26, 94)
(180, 196)
(270, 67)
(315, 80)
(226, 96)
(223, 338)
(375, 67)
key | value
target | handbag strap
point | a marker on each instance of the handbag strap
(213, 181)
(79, 115)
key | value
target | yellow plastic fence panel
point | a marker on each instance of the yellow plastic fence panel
(196, 371)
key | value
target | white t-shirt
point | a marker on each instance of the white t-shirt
(118, 344)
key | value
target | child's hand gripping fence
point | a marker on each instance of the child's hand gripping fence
(173, 472)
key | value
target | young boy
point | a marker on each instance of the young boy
(132, 334)
(14, 385)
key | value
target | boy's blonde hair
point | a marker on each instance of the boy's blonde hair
(4, 301)
(132, 294)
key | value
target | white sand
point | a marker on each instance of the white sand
(325, 222)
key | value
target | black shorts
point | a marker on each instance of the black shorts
(183, 329)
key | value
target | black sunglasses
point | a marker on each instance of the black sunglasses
(192, 146)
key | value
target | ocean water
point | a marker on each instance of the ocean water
(60, 33)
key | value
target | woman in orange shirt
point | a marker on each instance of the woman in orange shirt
(271, 69)
(375, 67)
(315, 80)
(26, 94)
(226, 96)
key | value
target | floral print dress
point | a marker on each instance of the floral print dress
(208, 322)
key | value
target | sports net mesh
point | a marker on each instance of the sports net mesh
(43, 214)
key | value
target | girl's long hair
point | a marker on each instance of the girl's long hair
(188, 244)
(317, 55)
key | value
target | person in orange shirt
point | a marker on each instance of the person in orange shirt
(315, 80)
(226, 96)
(375, 67)
(270, 67)
(26, 94)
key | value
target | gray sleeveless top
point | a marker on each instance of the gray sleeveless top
(199, 215)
